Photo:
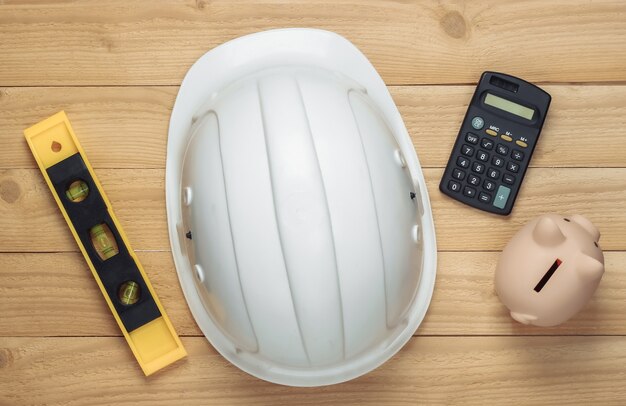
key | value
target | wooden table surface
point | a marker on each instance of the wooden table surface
(115, 67)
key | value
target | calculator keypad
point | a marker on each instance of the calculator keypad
(489, 186)
(473, 180)
(458, 174)
(467, 150)
(517, 155)
(478, 167)
(454, 186)
(498, 164)
(486, 143)
(493, 173)
(471, 138)
(469, 191)
(513, 167)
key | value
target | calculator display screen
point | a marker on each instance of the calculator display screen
(509, 106)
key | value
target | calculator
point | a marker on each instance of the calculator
(496, 142)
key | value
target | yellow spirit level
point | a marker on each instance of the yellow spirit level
(104, 245)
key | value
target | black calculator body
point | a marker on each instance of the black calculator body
(496, 142)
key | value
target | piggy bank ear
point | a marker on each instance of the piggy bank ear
(587, 225)
(547, 232)
(588, 269)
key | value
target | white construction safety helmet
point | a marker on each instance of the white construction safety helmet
(298, 214)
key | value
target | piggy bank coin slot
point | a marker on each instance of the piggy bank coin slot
(548, 275)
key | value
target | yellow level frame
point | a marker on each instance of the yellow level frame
(155, 344)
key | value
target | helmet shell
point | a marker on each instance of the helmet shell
(297, 210)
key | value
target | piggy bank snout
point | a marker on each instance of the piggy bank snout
(588, 269)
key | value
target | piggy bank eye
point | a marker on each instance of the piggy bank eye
(566, 219)
(596, 244)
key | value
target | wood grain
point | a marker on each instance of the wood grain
(127, 127)
(428, 370)
(54, 294)
(154, 42)
(30, 220)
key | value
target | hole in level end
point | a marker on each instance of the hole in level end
(56, 146)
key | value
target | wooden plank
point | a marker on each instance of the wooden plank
(127, 127)
(119, 127)
(31, 222)
(48, 294)
(116, 42)
(428, 370)
(598, 194)
(579, 117)
(34, 222)
(55, 295)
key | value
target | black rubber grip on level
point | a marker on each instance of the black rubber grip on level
(113, 272)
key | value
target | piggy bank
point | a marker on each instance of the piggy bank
(550, 269)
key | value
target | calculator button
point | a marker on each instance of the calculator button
(473, 179)
(502, 149)
(478, 122)
(478, 167)
(467, 150)
(506, 138)
(458, 174)
(491, 132)
(502, 195)
(471, 138)
(521, 143)
(482, 156)
(510, 179)
(454, 186)
(497, 161)
(484, 197)
(517, 155)
(469, 191)
(486, 143)
(512, 166)
(489, 185)
(493, 173)
(463, 162)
